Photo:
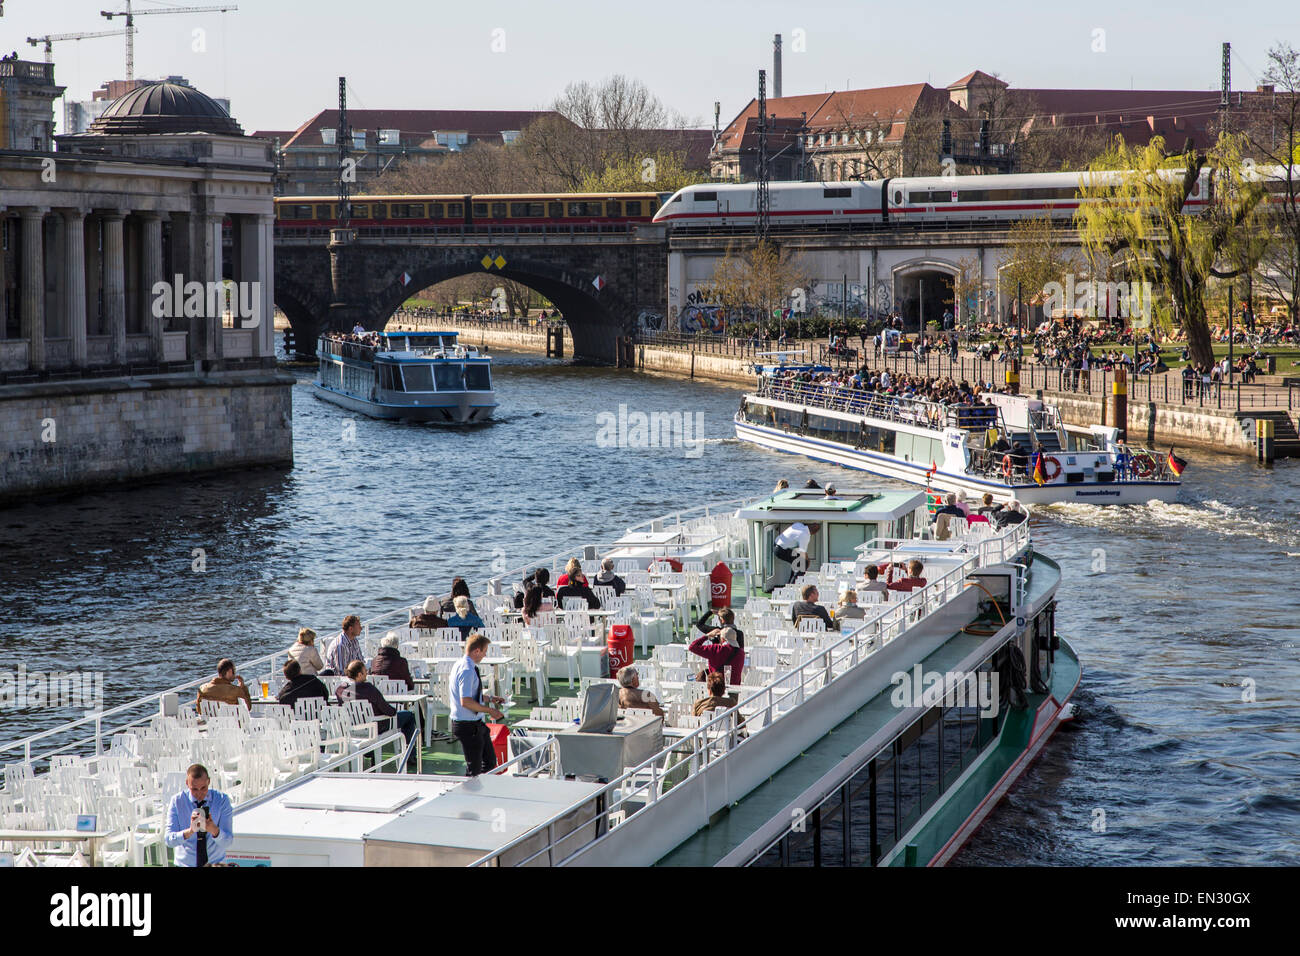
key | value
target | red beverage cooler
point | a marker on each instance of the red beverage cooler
(720, 585)
(621, 645)
(499, 734)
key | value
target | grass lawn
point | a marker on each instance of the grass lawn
(1287, 355)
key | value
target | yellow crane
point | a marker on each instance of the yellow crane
(130, 24)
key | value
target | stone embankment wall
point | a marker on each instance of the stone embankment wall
(86, 434)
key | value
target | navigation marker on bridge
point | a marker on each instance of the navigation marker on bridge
(488, 262)
(598, 282)
(406, 278)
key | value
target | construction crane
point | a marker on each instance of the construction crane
(130, 25)
(53, 38)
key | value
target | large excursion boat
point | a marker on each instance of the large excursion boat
(947, 447)
(883, 741)
(411, 376)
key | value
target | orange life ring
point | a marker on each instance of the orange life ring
(1144, 465)
(1051, 468)
(1007, 467)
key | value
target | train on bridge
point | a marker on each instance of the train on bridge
(584, 211)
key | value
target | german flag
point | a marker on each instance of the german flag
(1176, 464)
(1040, 475)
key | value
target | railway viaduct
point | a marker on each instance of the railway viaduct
(600, 282)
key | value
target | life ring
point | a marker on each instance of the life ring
(1144, 465)
(1051, 468)
(1007, 467)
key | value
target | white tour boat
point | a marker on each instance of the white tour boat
(408, 376)
(947, 447)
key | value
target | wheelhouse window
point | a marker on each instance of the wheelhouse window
(449, 376)
(478, 378)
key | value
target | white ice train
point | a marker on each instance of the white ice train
(902, 201)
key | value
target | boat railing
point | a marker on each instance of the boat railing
(892, 408)
(361, 351)
(718, 738)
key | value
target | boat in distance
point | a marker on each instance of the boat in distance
(961, 448)
(406, 376)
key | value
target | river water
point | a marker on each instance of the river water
(1185, 745)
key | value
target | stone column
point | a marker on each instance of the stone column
(151, 268)
(33, 291)
(205, 329)
(74, 282)
(4, 317)
(266, 278)
(115, 285)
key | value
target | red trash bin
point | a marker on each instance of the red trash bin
(499, 734)
(620, 643)
(720, 585)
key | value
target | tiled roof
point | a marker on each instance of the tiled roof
(416, 126)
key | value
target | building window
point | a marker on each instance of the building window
(358, 139)
(390, 137)
(327, 137)
(322, 160)
(508, 136)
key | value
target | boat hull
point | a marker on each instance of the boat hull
(1095, 493)
(462, 408)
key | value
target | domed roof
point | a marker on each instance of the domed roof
(165, 108)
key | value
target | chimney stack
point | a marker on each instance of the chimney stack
(776, 66)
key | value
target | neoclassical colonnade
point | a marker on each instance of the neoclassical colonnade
(82, 290)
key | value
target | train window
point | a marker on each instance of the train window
(519, 209)
(324, 211)
(455, 210)
(498, 210)
(361, 211)
(613, 210)
(480, 209)
(435, 210)
(584, 209)
(380, 211)
(706, 197)
(677, 198)
(841, 193)
(633, 207)
(898, 197)
(527, 210)
(295, 211)
(403, 210)
(555, 210)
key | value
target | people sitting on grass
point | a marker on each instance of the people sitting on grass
(630, 694)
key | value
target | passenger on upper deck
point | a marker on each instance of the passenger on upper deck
(809, 607)
(572, 572)
(630, 695)
(988, 508)
(538, 577)
(848, 609)
(718, 698)
(913, 579)
(607, 577)
(458, 589)
(1013, 513)
(874, 583)
(464, 618)
(299, 685)
(538, 599)
(358, 688)
(576, 587)
(304, 652)
(429, 616)
(950, 507)
(227, 687)
(721, 649)
(345, 649)
(390, 663)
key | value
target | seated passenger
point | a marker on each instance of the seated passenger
(298, 685)
(464, 618)
(630, 695)
(874, 583)
(539, 578)
(572, 572)
(358, 688)
(429, 617)
(609, 579)
(809, 607)
(848, 609)
(1013, 513)
(718, 698)
(227, 687)
(576, 587)
(304, 652)
(950, 507)
(913, 579)
(721, 648)
(390, 663)
(458, 589)
(988, 508)
(537, 600)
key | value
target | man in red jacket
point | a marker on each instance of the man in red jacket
(721, 648)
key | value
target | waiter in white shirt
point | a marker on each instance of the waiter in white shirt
(789, 543)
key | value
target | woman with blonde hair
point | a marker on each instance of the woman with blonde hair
(848, 609)
(572, 572)
(305, 653)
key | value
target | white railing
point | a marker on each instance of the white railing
(718, 737)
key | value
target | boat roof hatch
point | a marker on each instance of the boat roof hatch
(846, 506)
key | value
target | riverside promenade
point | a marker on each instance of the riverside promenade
(1162, 409)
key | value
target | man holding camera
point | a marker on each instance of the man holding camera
(199, 821)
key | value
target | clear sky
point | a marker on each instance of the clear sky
(279, 60)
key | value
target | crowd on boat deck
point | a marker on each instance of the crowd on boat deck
(358, 335)
(940, 391)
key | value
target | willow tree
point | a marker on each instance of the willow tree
(1134, 203)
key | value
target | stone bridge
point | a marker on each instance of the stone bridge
(354, 277)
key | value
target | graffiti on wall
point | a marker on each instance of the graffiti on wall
(650, 320)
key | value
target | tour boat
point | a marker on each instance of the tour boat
(947, 447)
(408, 376)
(884, 740)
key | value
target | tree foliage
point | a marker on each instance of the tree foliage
(760, 278)
(1040, 253)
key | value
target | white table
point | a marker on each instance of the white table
(421, 705)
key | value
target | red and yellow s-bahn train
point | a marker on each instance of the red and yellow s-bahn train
(586, 210)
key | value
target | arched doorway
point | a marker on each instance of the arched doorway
(922, 293)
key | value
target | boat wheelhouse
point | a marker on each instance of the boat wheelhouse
(409, 376)
(950, 447)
